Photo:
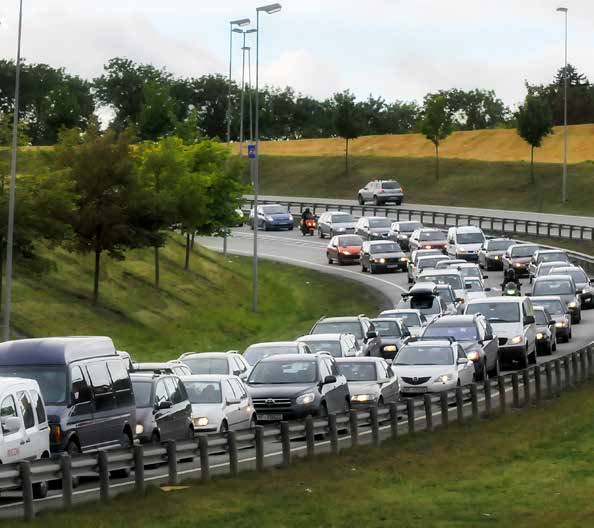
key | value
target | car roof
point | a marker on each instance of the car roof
(338, 212)
(556, 263)
(206, 355)
(321, 337)
(378, 242)
(344, 318)
(402, 310)
(567, 268)
(453, 319)
(467, 265)
(8, 382)
(431, 342)
(469, 229)
(524, 244)
(273, 344)
(431, 229)
(377, 218)
(291, 357)
(552, 251)
(149, 376)
(547, 298)
(544, 278)
(447, 271)
(500, 299)
(385, 319)
(206, 377)
(365, 359)
(153, 364)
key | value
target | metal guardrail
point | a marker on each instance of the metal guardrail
(353, 427)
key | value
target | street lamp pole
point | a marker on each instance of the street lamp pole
(565, 73)
(241, 112)
(241, 22)
(11, 200)
(255, 161)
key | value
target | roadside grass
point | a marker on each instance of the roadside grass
(530, 468)
(203, 309)
(463, 183)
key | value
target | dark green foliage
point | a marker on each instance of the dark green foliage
(348, 120)
(437, 123)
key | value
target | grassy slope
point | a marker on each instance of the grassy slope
(503, 185)
(207, 308)
(529, 469)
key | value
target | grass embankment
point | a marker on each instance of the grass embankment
(463, 183)
(206, 308)
(532, 468)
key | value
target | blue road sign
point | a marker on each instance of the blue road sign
(252, 151)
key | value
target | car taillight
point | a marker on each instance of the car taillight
(381, 191)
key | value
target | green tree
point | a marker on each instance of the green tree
(348, 120)
(436, 124)
(157, 116)
(476, 109)
(6, 121)
(535, 122)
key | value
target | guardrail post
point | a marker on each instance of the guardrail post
(259, 438)
(394, 420)
(502, 395)
(410, 415)
(333, 432)
(103, 476)
(537, 384)
(428, 413)
(354, 426)
(27, 488)
(233, 454)
(526, 382)
(460, 404)
(549, 376)
(590, 364)
(515, 390)
(474, 401)
(583, 367)
(172, 459)
(374, 426)
(444, 406)
(286, 443)
(488, 400)
(309, 436)
(574, 369)
(66, 470)
(558, 381)
(567, 372)
(138, 451)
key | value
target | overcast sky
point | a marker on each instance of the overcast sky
(393, 48)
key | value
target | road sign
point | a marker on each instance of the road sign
(252, 151)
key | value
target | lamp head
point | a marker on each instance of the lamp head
(236, 30)
(562, 9)
(240, 22)
(271, 8)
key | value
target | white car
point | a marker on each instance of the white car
(464, 242)
(337, 345)
(447, 276)
(220, 403)
(475, 288)
(414, 320)
(25, 431)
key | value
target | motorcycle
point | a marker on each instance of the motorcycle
(511, 289)
(308, 226)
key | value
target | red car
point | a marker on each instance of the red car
(344, 249)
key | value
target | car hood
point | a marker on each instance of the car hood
(507, 329)
(422, 371)
(520, 260)
(363, 387)
(390, 340)
(470, 247)
(542, 328)
(495, 253)
(212, 411)
(388, 255)
(379, 230)
(343, 225)
(279, 216)
(290, 390)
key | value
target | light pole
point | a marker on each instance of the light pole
(13, 163)
(255, 161)
(564, 186)
(241, 22)
(244, 48)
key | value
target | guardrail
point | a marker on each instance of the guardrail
(322, 435)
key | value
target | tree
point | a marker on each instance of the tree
(6, 121)
(476, 109)
(436, 124)
(157, 116)
(348, 120)
(535, 122)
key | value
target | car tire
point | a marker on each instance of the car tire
(372, 270)
(532, 358)
(224, 427)
(399, 202)
(363, 268)
(376, 201)
(329, 258)
(524, 360)
(253, 422)
(360, 199)
(291, 227)
(339, 261)
(40, 490)
(409, 279)
(483, 375)
(554, 347)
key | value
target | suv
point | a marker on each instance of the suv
(400, 232)
(378, 255)
(332, 223)
(448, 276)
(561, 286)
(393, 334)
(428, 238)
(229, 363)
(491, 253)
(546, 255)
(358, 325)
(288, 387)
(373, 227)
(465, 242)
(381, 192)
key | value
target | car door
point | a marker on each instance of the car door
(82, 408)
(529, 328)
(179, 407)
(163, 417)
(335, 394)
(12, 445)
(364, 258)
(384, 381)
(27, 413)
(333, 248)
(490, 344)
(393, 385)
(106, 423)
(39, 438)
(232, 405)
(465, 371)
(245, 409)
(322, 224)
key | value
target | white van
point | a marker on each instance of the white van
(465, 242)
(24, 431)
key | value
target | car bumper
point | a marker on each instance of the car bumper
(280, 225)
(402, 266)
(295, 412)
(587, 299)
(511, 352)
(345, 231)
(494, 262)
(469, 257)
(348, 258)
(428, 388)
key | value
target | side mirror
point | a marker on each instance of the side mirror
(389, 361)
(485, 276)
(233, 401)
(372, 334)
(489, 337)
(529, 319)
(468, 286)
(459, 299)
(237, 372)
(164, 405)
(487, 289)
(329, 379)
(11, 424)
(462, 361)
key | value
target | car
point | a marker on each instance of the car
(337, 345)
(490, 255)
(469, 270)
(546, 332)
(464, 242)
(475, 334)
(258, 351)
(448, 262)
(475, 288)
(422, 265)
(561, 286)
(163, 411)
(412, 319)
(401, 231)
(518, 257)
(381, 192)
(378, 255)
(393, 333)
(547, 255)
(418, 253)
(559, 312)
(371, 381)
(428, 238)
(583, 283)
(127, 359)
(447, 276)
(289, 387)
(169, 367)
(544, 268)
(85, 385)
(430, 366)
(272, 216)
(423, 297)
(358, 325)
(447, 294)
(220, 403)
(344, 249)
(332, 223)
(373, 227)
(512, 320)
(24, 427)
(222, 363)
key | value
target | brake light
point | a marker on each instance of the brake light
(381, 191)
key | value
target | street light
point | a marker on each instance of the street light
(241, 23)
(13, 163)
(564, 186)
(243, 49)
(255, 161)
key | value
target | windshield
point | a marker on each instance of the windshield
(552, 257)
(254, 354)
(446, 294)
(475, 286)
(274, 209)
(275, 372)
(387, 328)
(425, 355)
(553, 287)
(358, 371)
(499, 245)
(577, 274)
(409, 227)
(384, 248)
(390, 185)
(409, 319)
(523, 251)
(207, 365)
(380, 222)
(339, 327)
(426, 236)
(204, 391)
(51, 379)
(496, 312)
(470, 238)
(428, 262)
(554, 306)
(342, 218)
(540, 317)
(459, 333)
(142, 393)
(469, 271)
(350, 241)
(455, 281)
(425, 304)
(544, 269)
(326, 346)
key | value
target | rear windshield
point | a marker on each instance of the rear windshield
(475, 286)
(384, 248)
(426, 304)
(577, 274)
(142, 393)
(426, 236)
(387, 328)
(390, 185)
(280, 372)
(496, 312)
(553, 287)
(554, 306)
(458, 332)
(523, 251)
(424, 355)
(552, 257)
(326, 346)
(455, 281)
(409, 318)
(51, 379)
(427, 262)
(470, 271)
(203, 391)
(350, 241)
(274, 209)
(470, 238)
(380, 222)
(446, 294)
(358, 371)
(339, 327)
(254, 354)
(499, 245)
(207, 365)
(342, 218)
(409, 227)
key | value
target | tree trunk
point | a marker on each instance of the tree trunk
(188, 245)
(532, 164)
(96, 278)
(346, 157)
(157, 270)
(436, 162)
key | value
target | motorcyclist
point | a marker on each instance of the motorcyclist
(306, 215)
(511, 281)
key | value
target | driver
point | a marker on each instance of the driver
(306, 215)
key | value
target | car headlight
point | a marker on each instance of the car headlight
(339, 229)
(517, 340)
(561, 324)
(363, 397)
(461, 251)
(586, 290)
(474, 356)
(201, 421)
(404, 237)
(572, 305)
(291, 217)
(540, 336)
(444, 378)
(496, 257)
(268, 218)
(306, 399)
(346, 252)
(382, 261)
(427, 247)
(390, 348)
(139, 429)
(518, 265)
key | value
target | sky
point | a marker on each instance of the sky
(391, 48)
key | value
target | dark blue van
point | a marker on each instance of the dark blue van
(85, 385)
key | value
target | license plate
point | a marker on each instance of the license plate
(392, 266)
(416, 390)
(270, 417)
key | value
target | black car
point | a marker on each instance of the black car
(546, 332)
(392, 333)
(475, 335)
(163, 410)
(490, 255)
(378, 255)
(401, 231)
(359, 325)
(295, 386)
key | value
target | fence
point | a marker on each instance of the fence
(253, 446)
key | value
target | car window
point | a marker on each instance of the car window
(238, 389)
(284, 372)
(388, 328)
(332, 366)
(553, 287)
(174, 392)
(100, 380)
(39, 407)
(339, 327)
(8, 407)
(228, 390)
(553, 306)
(142, 393)
(358, 370)
(79, 387)
(26, 409)
(540, 317)
(382, 371)
(324, 370)
(206, 365)
(119, 375)
(424, 355)
(496, 312)
(459, 332)
(161, 394)
(461, 353)
(253, 354)
(204, 392)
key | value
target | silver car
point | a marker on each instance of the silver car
(381, 192)
(231, 363)
(332, 223)
(258, 351)
(371, 381)
(414, 320)
(337, 345)
(220, 403)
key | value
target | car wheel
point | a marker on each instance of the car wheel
(554, 348)
(320, 234)
(496, 369)
(532, 357)
(329, 258)
(372, 270)
(291, 227)
(524, 360)
(363, 268)
(361, 201)
(252, 422)
(340, 261)
(409, 279)
(266, 227)
(224, 427)
(483, 375)
(40, 490)
(376, 200)
(380, 402)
